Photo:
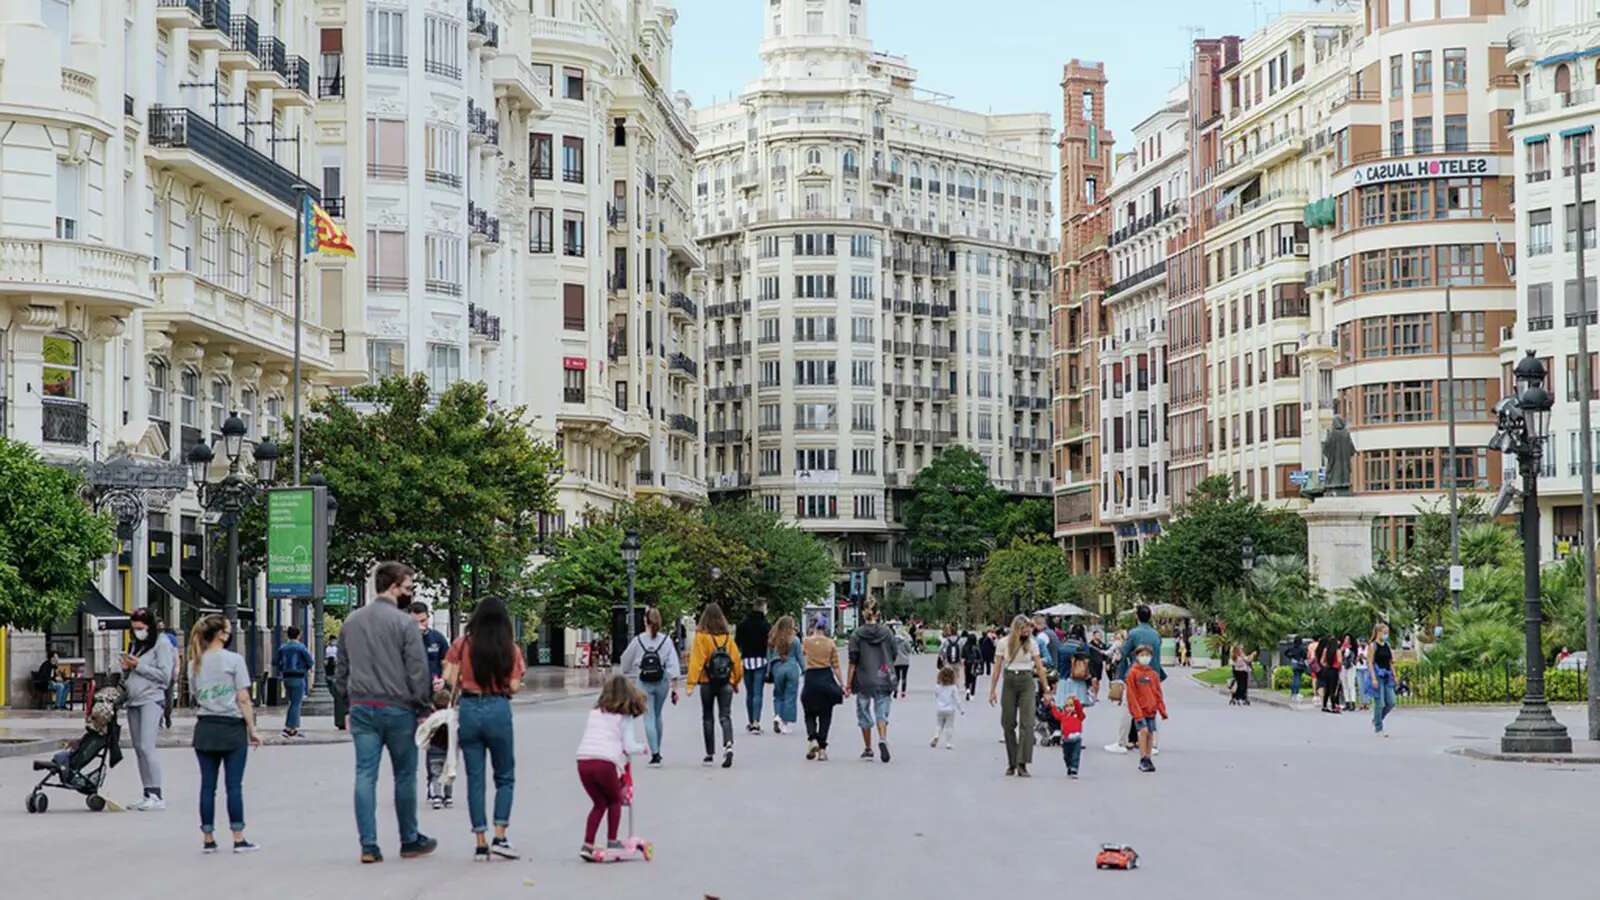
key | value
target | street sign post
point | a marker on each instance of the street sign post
(297, 541)
(339, 595)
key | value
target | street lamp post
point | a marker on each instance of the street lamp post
(1524, 425)
(230, 496)
(630, 559)
(1017, 611)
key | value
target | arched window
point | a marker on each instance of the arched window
(933, 179)
(814, 156)
(896, 165)
(851, 166)
(63, 368)
(780, 160)
(189, 398)
(1563, 79)
(156, 375)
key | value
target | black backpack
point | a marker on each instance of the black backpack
(972, 655)
(952, 653)
(719, 667)
(651, 669)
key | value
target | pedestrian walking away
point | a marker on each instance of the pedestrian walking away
(224, 728)
(823, 687)
(434, 644)
(783, 670)
(715, 668)
(293, 662)
(902, 661)
(1296, 657)
(1145, 702)
(148, 667)
(751, 638)
(652, 661)
(1330, 656)
(947, 705)
(986, 648)
(971, 663)
(486, 667)
(872, 679)
(1073, 677)
(1023, 673)
(330, 662)
(383, 674)
(608, 741)
(1380, 676)
(1242, 664)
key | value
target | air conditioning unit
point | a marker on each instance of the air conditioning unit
(1301, 248)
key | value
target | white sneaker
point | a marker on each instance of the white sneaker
(1155, 751)
(150, 803)
(1116, 748)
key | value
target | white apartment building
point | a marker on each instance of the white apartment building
(1257, 249)
(1149, 200)
(542, 184)
(879, 266)
(1420, 204)
(1552, 139)
(151, 155)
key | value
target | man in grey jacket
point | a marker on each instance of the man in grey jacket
(872, 678)
(383, 671)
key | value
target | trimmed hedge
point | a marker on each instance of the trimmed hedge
(1480, 686)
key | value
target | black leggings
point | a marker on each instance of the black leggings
(1330, 687)
(721, 697)
(972, 677)
(900, 673)
(1241, 685)
(817, 699)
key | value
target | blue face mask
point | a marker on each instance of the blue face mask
(1143, 660)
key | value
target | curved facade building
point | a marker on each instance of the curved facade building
(879, 277)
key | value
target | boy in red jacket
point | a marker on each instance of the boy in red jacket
(1071, 719)
(1144, 702)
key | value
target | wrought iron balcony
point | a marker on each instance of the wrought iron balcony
(65, 422)
(333, 206)
(482, 323)
(215, 16)
(683, 423)
(274, 56)
(678, 362)
(179, 128)
(244, 33)
(680, 301)
(299, 75)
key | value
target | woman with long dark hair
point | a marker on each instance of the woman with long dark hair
(147, 669)
(224, 728)
(487, 668)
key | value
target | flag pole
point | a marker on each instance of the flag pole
(299, 254)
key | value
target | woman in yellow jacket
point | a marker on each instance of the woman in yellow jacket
(714, 663)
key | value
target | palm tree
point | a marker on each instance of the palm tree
(1378, 591)
(1489, 544)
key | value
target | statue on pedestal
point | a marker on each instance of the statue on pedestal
(1338, 452)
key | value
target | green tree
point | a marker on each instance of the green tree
(788, 567)
(585, 577)
(1201, 549)
(49, 539)
(1277, 598)
(953, 511)
(1004, 582)
(1028, 518)
(1379, 593)
(439, 481)
(1423, 568)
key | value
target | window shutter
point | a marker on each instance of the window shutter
(572, 306)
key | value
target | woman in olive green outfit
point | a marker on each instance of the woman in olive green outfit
(1019, 665)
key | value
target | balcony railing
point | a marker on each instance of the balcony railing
(179, 128)
(680, 422)
(193, 6)
(386, 282)
(572, 394)
(333, 206)
(680, 363)
(1143, 275)
(244, 33)
(273, 55)
(386, 60)
(682, 302)
(482, 323)
(300, 75)
(215, 16)
(65, 422)
(330, 86)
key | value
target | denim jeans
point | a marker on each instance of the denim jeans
(232, 765)
(655, 695)
(374, 729)
(1296, 672)
(1072, 752)
(786, 691)
(61, 690)
(486, 728)
(1382, 699)
(754, 679)
(872, 708)
(295, 686)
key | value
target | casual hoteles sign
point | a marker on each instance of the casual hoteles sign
(1419, 168)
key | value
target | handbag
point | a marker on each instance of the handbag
(220, 734)
(1115, 692)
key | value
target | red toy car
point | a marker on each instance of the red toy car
(1116, 856)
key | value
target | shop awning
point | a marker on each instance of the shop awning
(210, 599)
(107, 616)
(166, 583)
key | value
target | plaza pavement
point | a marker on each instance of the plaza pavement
(1257, 802)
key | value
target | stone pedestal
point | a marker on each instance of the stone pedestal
(1338, 540)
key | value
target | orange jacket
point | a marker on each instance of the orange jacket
(1144, 693)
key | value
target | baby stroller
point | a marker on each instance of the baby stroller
(1047, 731)
(82, 767)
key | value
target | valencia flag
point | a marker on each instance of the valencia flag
(322, 234)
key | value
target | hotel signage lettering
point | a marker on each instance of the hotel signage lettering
(1422, 168)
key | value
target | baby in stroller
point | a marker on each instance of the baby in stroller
(1046, 728)
(82, 766)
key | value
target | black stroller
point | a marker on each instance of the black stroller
(83, 766)
(1047, 731)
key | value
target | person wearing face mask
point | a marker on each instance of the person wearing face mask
(1145, 702)
(383, 674)
(147, 668)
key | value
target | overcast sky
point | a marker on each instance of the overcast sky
(1009, 61)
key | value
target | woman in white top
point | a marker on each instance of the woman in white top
(651, 660)
(1023, 672)
(225, 727)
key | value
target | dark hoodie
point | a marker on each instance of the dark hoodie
(872, 654)
(751, 636)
